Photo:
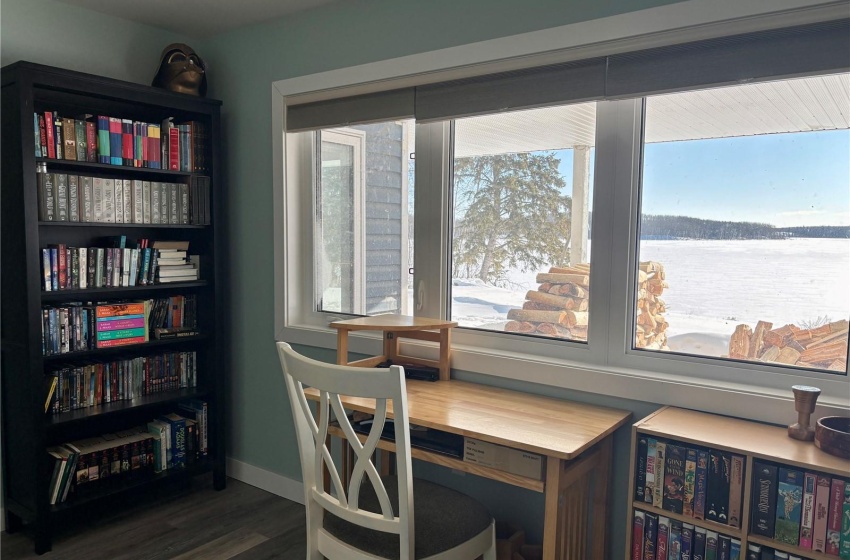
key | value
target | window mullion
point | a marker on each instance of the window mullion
(432, 224)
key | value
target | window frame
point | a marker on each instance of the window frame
(606, 364)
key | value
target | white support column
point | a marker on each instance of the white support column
(581, 186)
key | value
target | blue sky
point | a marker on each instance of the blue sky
(781, 179)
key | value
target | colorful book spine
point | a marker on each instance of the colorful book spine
(674, 478)
(50, 133)
(736, 490)
(674, 543)
(833, 525)
(127, 142)
(788, 505)
(724, 547)
(661, 550)
(36, 135)
(699, 544)
(115, 141)
(807, 521)
(687, 541)
(91, 142)
(121, 342)
(711, 545)
(736, 550)
(82, 141)
(763, 521)
(660, 460)
(690, 482)
(121, 323)
(103, 140)
(120, 309)
(637, 535)
(640, 469)
(649, 492)
(844, 549)
(650, 536)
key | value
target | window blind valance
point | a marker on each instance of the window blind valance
(820, 48)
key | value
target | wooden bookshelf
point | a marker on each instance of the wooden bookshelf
(27, 430)
(751, 440)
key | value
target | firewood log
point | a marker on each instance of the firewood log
(739, 344)
(830, 338)
(581, 280)
(575, 319)
(538, 316)
(656, 287)
(556, 302)
(544, 287)
(827, 352)
(520, 327)
(567, 270)
(647, 320)
(757, 340)
(838, 365)
(810, 334)
(841, 325)
(550, 329)
(770, 354)
(787, 356)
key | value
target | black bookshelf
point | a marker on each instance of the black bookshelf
(27, 430)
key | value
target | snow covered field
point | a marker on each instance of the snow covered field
(714, 286)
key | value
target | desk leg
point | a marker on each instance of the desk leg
(600, 498)
(342, 347)
(552, 539)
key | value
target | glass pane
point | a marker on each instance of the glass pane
(364, 205)
(520, 246)
(745, 224)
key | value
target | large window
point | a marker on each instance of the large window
(630, 224)
(363, 219)
(520, 254)
(744, 244)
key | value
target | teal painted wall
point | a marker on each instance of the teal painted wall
(243, 64)
(57, 34)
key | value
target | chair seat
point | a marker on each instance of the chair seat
(443, 519)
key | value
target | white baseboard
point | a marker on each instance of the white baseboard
(266, 480)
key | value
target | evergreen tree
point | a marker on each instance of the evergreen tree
(510, 213)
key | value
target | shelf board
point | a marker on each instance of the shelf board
(89, 165)
(121, 226)
(710, 525)
(789, 548)
(116, 486)
(114, 408)
(122, 349)
(129, 291)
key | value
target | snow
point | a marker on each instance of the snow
(715, 285)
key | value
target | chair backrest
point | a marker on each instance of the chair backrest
(387, 387)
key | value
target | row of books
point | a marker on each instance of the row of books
(806, 509)
(171, 441)
(115, 141)
(656, 537)
(759, 552)
(82, 268)
(692, 481)
(64, 197)
(80, 327)
(75, 387)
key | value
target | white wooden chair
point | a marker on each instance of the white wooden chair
(394, 517)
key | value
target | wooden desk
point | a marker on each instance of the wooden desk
(395, 327)
(575, 439)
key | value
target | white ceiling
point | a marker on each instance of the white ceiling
(802, 105)
(198, 18)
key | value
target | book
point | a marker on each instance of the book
(736, 550)
(69, 148)
(650, 535)
(91, 142)
(73, 199)
(736, 490)
(103, 140)
(690, 482)
(37, 135)
(637, 534)
(178, 439)
(763, 521)
(82, 142)
(58, 136)
(663, 539)
(119, 201)
(711, 544)
(844, 548)
(687, 541)
(788, 505)
(674, 478)
(754, 552)
(137, 203)
(660, 465)
(699, 544)
(61, 197)
(87, 199)
(674, 543)
(649, 491)
(833, 524)
(807, 519)
(115, 142)
(717, 493)
(146, 202)
(724, 547)
(47, 203)
(108, 190)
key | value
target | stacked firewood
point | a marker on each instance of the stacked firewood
(651, 328)
(823, 347)
(558, 307)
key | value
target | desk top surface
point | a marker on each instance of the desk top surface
(552, 427)
(391, 322)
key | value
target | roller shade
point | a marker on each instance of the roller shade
(372, 107)
(525, 89)
(821, 48)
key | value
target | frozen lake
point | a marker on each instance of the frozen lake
(714, 285)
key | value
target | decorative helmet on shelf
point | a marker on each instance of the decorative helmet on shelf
(181, 70)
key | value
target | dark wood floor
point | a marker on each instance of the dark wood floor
(239, 523)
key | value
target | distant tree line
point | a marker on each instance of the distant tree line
(684, 227)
